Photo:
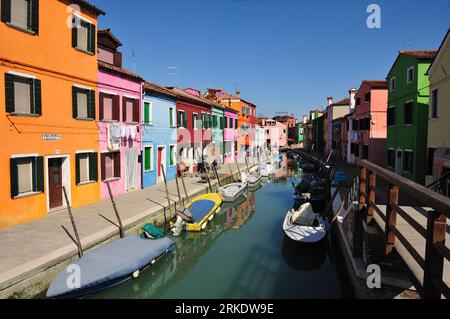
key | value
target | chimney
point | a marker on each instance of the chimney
(330, 100)
(352, 93)
(238, 93)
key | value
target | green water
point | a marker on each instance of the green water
(242, 253)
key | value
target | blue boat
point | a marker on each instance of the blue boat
(108, 266)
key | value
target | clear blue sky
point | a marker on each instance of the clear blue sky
(282, 55)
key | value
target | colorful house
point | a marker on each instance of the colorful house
(352, 135)
(119, 125)
(290, 122)
(218, 124)
(407, 114)
(195, 134)
(439, 115)
(159, 133)
(334, 111)
(318, 134)
(370, 119)
(48, 113)
(230, 135)
(276, 134)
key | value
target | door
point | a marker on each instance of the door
(55, 182)
(399, 162)
(160, 154)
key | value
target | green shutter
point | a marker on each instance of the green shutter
(91, 105)
(37, 97)
(9, 91)
(6, 11)
(74, 32)
(74, 102)
(172, 162)
(147, 159)
(235, 123)
(146, 112)
(93, 167)
(170, 117)
(34, 25)
(91, 43)
(13, 174)
(39, 174)
(77, 169)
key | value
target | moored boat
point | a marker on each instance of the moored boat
(304, 226)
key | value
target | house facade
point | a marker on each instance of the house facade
(160, 120)
(334, 111)
(275, 134)
(438, 160)
(48, 113)
(119, 126)
(407, 114)
(230, 135)
(370, 119)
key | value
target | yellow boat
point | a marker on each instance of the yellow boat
(202, 209)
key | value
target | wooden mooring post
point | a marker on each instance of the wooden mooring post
(74, 226)
(111, 196)
(391, 218)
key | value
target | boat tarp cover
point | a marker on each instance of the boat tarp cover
(201, 208)
(115, 260)
(304, 216)
(152, 230)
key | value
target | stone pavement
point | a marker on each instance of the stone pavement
(31, 248)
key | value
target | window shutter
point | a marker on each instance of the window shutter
(116, 107)
(74, 102)
(184, 119)
(9, 90)
(146, 117)
(91, 104)
(100, 105)
(91, 44)
(74, 32)
(34, 26)
(6, 11)
(117, 164)
(77, 169)
(102, 166)
(93, 167)
(37, 97)
(124, 109)
(13, 172)
(136, 111)
(39, 169)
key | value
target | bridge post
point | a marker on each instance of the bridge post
(362, 188)
(372, 195)
(434, 261)
(391, 218)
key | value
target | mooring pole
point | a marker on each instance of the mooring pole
(217, 176)
(239, 170)
(165, 184)
(178, 189)
(207, 178)
(231, 172)
(184, 187)
(74, 226)
(115, 210)
(246, 164)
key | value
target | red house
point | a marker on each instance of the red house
(194, 121)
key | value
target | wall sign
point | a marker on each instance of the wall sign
(51, 137)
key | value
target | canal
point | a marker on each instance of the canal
(242, 253)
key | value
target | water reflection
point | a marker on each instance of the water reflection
(304, 257)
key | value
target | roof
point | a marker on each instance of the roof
(158, 89)
(89, 6)
(226, 96)
(376, 84)
(107, 33)
(118, 70)
(187, 96)
(439, 50)
(341, 102)
(421, 54)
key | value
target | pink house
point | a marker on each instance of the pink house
(120, 136)
(276, 133)
(370, 122)
(230, 135)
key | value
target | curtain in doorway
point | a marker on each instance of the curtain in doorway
(131, 155)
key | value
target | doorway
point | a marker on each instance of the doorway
(161, 156)
(399, 162)
(55, 183)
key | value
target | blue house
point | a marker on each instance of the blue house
(159, 134)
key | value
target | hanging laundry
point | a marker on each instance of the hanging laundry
(133, 132)
(123, 131)
(114, 133)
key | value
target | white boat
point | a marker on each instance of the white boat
(253, 179)
(232, 191)
(304, 225)
(266, 170)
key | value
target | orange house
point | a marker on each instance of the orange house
(48, 85)
(246, 122)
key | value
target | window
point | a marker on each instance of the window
(148, 158)
(367, 97)
(195, 120)
(391, 116)
(408, 161)
(83, 103)
(222, 122)
(365, 151)
(130, 110)
(235, 123)
(410, 75)
(109, 107)
(172, 119)
(358, 101)
(83, 35)
(393, 84)
(408, 113)
(214, 120)
(430, 161)
(172, 155)
(23, 95)
(231, 122)
(148, 113)
(86, 167)
(182, 119)
(434, 104)
(391, 158)
(243, 110)
(355, 126)
(110, 166)
(23, 14)
(27, 175)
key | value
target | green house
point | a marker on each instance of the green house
(407, 114)
(217, 131)
(318, 133)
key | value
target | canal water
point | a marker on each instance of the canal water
(243, 253)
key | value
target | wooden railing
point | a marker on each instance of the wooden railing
(433, 233)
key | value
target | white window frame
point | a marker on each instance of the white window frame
(152, 162)
(392, 89)
(184, 116)
(150, 110)
(407, 75)
(194, 125)
(174, 154)
(88, 169)
(174, 117)
(412, 111)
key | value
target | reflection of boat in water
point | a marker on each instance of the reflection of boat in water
(303, 257)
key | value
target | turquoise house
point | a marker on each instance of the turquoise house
(217, 131)
(159, 134)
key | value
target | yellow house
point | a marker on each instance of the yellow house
(439, 115)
